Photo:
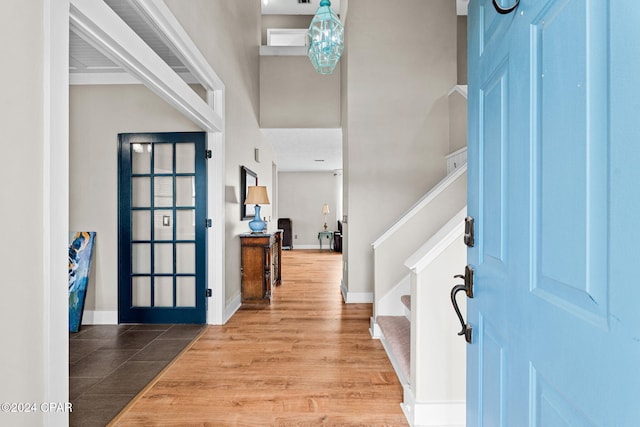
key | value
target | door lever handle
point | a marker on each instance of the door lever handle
(466, 330)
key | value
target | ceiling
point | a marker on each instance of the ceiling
(292, 7)
(296, 149)
(84, 58)
(306, 150)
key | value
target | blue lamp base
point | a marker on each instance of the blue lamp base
(257, 225)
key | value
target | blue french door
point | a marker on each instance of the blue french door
(162, 228)
(553, 188)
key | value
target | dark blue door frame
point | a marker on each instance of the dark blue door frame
(157, 282)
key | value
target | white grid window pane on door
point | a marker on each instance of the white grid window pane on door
(163, 158)
(163, 191)
(140, 158)
(141, 291)
(141, 258)
(185, 291)
(185, 191)
(163, 258)
(163, 291)
(141, 225)
(185, 258)
(185, 225)
(140, 192)
(185, 158)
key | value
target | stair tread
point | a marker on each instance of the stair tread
(396, 331)
(406, 300)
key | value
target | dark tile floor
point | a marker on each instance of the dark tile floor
(110, 364)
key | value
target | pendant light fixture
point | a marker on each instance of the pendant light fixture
(325, 39)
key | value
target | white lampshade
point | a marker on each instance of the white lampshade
(257, 195)
(325, 209)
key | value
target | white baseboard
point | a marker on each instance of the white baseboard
(434, 414)
(91, 317)
(355, 297)
(97, 317)
(325, 247)
(232, 307)
(359, 298)
(374, 329)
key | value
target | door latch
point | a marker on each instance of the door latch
(468, 280)
(467, 287)
(469, 234)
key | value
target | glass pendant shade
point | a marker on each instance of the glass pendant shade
(325, 39)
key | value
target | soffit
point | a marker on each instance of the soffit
(84, 58)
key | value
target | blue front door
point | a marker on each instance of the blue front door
(162, 228)
(554, 115)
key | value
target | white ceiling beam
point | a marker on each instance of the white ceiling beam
(160, 17)
(99, 25)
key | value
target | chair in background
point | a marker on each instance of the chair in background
(337, 238)
(285, 225)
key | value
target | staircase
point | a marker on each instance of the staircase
(422, 343)
(395, 333)
(414, 264)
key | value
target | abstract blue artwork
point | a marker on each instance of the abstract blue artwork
(80, 252)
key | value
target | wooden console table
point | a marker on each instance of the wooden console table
(261, 264)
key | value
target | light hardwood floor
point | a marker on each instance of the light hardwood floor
(306, 360)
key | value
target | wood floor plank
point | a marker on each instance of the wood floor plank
(305, 360)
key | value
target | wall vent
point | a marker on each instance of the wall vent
(304, 1)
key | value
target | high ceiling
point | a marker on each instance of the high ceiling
(293, 7)
(296, 149)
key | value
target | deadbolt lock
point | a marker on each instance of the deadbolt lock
(469, 233)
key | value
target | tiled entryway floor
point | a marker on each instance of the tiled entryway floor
(110, 364)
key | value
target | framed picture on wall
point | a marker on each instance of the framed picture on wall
(248, 178)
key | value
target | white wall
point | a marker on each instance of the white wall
(21, 253)
(396, 127)
(228, 35)
(293, 95)
(33, 109)
(458, 121)
(462, 49)
(301, 196)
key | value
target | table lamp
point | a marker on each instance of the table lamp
(257, 195)
(325, 211)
